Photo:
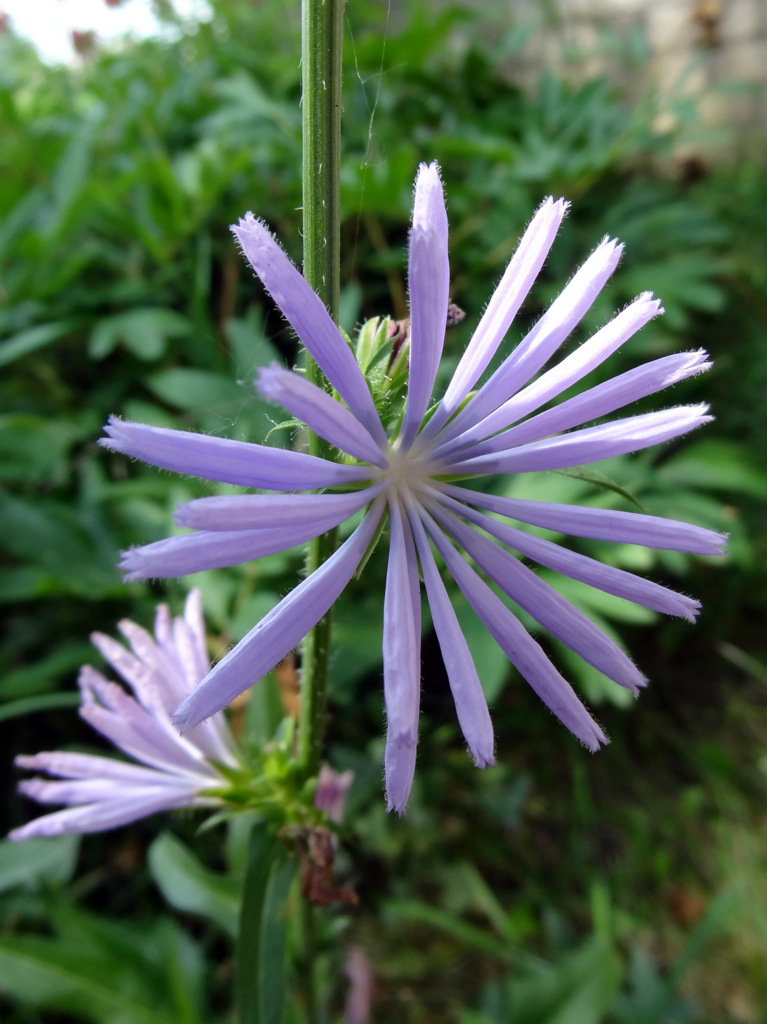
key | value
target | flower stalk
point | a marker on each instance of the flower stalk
(321, 64)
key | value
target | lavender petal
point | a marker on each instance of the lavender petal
(319, 412)
(582, 568)
(599, 523)
(231, 462)
(589, 444)
(273, 511)
(304, 310)
(517, 644)
(556, 614)
(470, 703)
(516, 282)
(196, 552)
(562, 376)
(70, 765)
(147, 738)
(599, 401)
(281, 629)
(401, 660)
(94, 790)
(429, 287)
(122, 809)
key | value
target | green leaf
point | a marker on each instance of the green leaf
(469, 935)
(720, 465)
(579, 989)
(143, 332)
(591, 476)
(33, 861)
(261, 954)
(194, 390)
(33, 338)
(42, 702)
(50, 974)
(189, 886)
(45, 671)
(33, 449)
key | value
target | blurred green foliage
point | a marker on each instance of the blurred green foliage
(548, 890)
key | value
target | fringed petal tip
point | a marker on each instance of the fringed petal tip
(483, 760)
(252, 234)
(115, 438)
(247, 222)
(429, 200)
(689, 609)
(181, 718)
(133, 566)
(561, 205)
(597, 739)
(428, 179)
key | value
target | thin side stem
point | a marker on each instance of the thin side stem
(322, 41)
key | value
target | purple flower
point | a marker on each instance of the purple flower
(332, 789)
(173, 770)
(409, 469)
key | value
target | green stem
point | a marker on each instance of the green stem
(322, 41)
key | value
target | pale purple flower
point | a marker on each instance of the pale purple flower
(359, 1001)
(172, 771)
(409, 470)
(331, 792)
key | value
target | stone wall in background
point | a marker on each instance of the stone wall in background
(713, 49)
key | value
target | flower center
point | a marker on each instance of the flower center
(408, 471)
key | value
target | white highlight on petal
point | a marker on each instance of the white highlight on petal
(537, 347)
(597, 401)
(562, 376)
(429, 286)
(273, 511)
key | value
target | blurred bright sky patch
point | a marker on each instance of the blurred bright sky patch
(49, 24)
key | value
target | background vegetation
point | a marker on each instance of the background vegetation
(558, 888)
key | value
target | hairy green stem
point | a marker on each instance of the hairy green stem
(321, 51)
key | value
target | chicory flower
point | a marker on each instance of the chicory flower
(172, 770)
(411, 470)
